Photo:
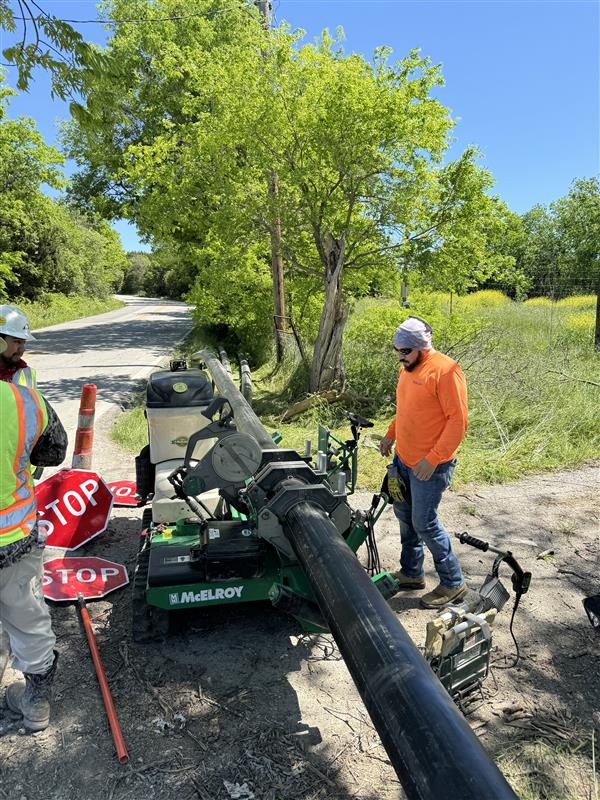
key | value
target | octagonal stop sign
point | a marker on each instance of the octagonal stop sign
(74, 505)
(124, 493)
(66, 578)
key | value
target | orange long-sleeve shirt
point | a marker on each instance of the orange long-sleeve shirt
(431, 410)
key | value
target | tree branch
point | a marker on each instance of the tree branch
(572, 377)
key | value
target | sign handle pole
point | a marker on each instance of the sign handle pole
(111, 713)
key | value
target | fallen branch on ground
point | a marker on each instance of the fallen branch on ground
(329, 397)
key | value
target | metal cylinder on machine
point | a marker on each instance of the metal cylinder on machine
(428, 741)
(84, 438)
(245, 418)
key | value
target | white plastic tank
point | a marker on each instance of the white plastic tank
(169, 430)
(174, 405)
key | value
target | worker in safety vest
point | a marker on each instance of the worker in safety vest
(30, 432)
(15, 331)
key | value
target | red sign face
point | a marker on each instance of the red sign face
(74, 506)
(65, 578)
(124, 493)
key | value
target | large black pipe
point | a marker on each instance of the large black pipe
(245, 418)
(431, 747)
(434, 752)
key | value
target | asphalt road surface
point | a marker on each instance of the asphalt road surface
(116, 351)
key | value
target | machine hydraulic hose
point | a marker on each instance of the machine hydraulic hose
(428, 741)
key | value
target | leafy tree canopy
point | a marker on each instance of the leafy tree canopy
(184, 129)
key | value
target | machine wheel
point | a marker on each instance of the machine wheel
(148, 622)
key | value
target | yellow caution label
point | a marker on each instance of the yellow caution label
(167, 533)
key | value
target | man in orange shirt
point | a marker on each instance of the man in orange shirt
(430, 423)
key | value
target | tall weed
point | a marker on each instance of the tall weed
(526, 365)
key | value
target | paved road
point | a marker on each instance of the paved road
(115, 351)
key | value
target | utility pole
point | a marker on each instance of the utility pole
(265, 7)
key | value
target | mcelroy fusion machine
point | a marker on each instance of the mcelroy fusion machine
(234, 519)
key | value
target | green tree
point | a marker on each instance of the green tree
(577, 218)
(559, 247)
(43, 40)
(26, 161)
(181, 134)
(138, 266)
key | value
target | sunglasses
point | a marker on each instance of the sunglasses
(403, 351)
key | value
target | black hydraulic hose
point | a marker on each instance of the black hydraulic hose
(428, 741)
(245, 418)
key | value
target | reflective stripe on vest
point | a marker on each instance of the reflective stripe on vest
(25, 377)
(23, 417)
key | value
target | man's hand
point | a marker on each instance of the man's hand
(385, 446)
(423, 470)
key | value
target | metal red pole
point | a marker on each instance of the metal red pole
(84, 438)
(115, 727)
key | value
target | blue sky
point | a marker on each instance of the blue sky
(522, 78)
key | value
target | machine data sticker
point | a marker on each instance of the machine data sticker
(176, 559)
(214, 533)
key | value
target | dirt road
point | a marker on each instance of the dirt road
(115, 351)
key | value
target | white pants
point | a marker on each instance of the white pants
(25, 615)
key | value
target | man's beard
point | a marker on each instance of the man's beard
(416, 362)
(11, 361)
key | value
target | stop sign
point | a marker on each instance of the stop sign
(65, 578)
(124, 493)
(74, 506)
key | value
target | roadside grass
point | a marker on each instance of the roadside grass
(530, 368)
(53, 308)
(131, 429)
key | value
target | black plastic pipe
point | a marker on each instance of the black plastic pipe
(434, 752)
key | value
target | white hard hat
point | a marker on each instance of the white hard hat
(13, 322)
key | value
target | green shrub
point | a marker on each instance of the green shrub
(580, 326)
(578, 302)
(487, 298)
(52, 308)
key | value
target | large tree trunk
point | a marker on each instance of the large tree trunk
(327, 370)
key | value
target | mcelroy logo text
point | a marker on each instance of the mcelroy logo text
(203, 595)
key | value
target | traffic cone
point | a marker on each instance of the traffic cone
(84, 438)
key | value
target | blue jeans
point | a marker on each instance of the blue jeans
(419, 524)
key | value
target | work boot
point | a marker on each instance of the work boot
(443, 596)
(32, 698)
(406, 583)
